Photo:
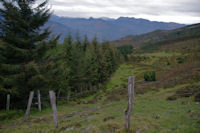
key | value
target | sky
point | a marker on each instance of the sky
(180, 11)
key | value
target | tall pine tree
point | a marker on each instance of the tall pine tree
(67, 62)
(20, 30)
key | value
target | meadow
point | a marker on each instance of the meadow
(155, 108)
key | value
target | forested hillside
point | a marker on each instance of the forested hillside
(28, 62)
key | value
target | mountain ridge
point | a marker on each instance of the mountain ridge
(106, 28)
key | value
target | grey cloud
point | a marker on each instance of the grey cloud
(117, 8)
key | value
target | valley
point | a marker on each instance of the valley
(159, 106)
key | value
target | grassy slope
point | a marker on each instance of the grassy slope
(160, 36)
(151, 113)
(103, 112)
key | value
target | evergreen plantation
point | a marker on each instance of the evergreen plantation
(30, 61)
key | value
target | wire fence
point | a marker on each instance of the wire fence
(78, 95)
(75, 95)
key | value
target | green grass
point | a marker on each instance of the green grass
(120, 77)
(103, 112)
(161, 54)
(151, 113)
(159, 58)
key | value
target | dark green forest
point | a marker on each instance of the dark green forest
(125, 50)
(31, 59)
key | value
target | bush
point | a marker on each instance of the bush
(150, 76)
(180, 60)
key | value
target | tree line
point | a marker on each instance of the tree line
(31, 60)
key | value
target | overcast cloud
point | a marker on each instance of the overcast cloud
(181, 11)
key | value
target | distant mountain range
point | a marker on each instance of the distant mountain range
(105, 28)
(160, 37)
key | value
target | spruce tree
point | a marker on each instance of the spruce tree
(67, 62)
(85, 43)
(20, 29)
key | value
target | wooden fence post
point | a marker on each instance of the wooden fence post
(68, 96)
(53, 105)
(39, 100)
(128, 111)
(29, 105)
(8, 103)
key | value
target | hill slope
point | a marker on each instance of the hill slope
(169, 104)
(160, 36)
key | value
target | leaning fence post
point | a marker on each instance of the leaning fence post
(8, 103)
(128, 111)
(39, 101)
(29, 105)
(53, 105)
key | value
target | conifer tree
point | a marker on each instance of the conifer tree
(20, 30)
(85, 43)
(78, 40)
(78, 63)
(67, 62)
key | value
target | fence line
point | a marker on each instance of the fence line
(52, 98)
(85, 92)
(71, 96)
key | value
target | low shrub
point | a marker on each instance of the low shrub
(150, 76)
(180, 60)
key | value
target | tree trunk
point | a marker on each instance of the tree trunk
(81, 89)
(58, 95)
